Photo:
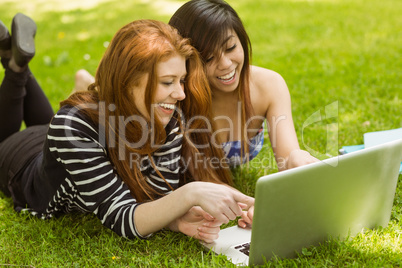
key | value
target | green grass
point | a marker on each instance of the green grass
(343, 52)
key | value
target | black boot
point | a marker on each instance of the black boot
(5, 39)
(5, 45)
(23, 30)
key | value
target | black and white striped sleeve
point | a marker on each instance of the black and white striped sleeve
(74, 143)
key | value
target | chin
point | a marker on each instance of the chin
(165, 121)
(227, 88)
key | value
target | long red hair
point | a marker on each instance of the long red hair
(134, 52)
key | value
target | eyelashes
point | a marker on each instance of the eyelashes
(230, 49)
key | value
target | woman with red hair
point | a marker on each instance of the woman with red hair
(128, 149)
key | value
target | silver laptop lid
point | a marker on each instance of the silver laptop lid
(337, 197)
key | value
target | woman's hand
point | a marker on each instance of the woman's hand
(220, 201)
(299, 158)
(212, 200)
(246, 217)
(198, 224)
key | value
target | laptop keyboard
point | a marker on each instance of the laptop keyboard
(244, 248)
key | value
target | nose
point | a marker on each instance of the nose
(224, 62)
(178, 92)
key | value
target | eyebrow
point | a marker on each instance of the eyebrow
(172, 75)
(228, 38)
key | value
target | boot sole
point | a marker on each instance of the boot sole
(23, 31)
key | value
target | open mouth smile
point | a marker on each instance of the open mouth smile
(167, 106)
(228, 78)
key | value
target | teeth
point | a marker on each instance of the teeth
(228, 76)
(167, 106)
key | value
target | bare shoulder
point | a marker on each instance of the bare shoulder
(266, 80)
(266, 87)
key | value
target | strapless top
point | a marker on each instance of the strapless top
(232, 149)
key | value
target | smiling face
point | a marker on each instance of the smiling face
(169, 89)
(223, 70)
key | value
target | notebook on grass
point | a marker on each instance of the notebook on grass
(305, 206)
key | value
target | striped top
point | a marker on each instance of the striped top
(74, 173)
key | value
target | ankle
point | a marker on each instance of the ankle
(5, 62)
(5, 54)
(15, 67)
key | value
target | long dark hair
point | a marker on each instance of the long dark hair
(134, 52)
(206, 23)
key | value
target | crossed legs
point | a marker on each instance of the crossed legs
(21, 97)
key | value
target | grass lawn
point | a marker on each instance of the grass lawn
(345, 55)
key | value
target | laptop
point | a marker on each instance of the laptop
(305, 206)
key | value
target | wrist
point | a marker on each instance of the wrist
(174, 225)
(190, 193)
(296, 158)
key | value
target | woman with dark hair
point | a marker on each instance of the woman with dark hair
(243, 96)
(116, 149)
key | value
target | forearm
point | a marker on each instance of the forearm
(220, 201)
(153, 216)
(283, 153)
